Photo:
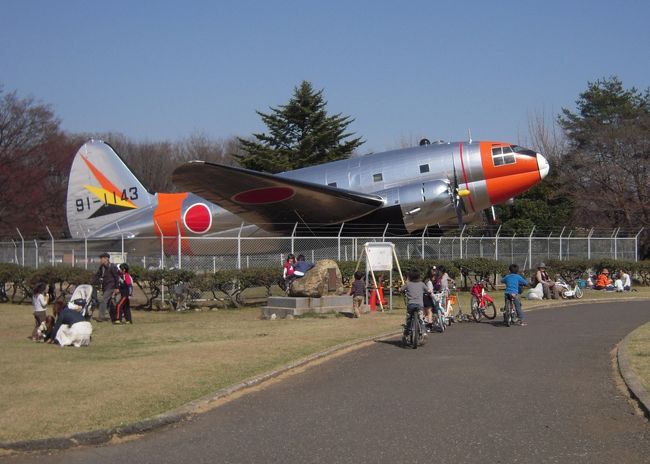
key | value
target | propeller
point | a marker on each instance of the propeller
(457, 195)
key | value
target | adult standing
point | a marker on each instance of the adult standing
(39, 305)
(108, 278)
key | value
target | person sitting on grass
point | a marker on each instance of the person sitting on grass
(603, 282)
(513, 281)
(623, 283)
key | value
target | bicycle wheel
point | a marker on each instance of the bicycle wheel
(578, 292)
(476, 312)
(415, 331)
(441, 321)
(507, 314)
(490, 310)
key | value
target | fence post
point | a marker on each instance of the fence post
(36, 252)
(461, 240)
(338, 239)
(561, 232)
(52, 241)
(530, 248)
(548, 246)
(423, 233)
(293, 236)
(180, 257)
(512, 248)
(15, 250)
(589, 243)
(22, 240)
(636, 244)
(241, 227)
(616, 231)
(86, 251)
(480, 246)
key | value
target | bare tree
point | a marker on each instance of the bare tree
(27, 130)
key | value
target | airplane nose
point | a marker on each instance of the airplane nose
(542, 165)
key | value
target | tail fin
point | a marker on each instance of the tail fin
(101, 189)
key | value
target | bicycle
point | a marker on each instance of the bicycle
(509, 311)
(566, 291)
(415, 333)
(482, 304)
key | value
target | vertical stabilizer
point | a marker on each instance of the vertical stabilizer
(101, 189)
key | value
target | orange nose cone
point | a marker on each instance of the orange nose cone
(505, 181)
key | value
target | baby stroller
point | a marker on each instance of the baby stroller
(84, 300)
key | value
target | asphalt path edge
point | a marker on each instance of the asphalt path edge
(634, 385)
(186, 411)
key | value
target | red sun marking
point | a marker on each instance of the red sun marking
(197, 218)
(263, 196)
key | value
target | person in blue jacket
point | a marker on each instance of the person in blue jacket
(513, 282)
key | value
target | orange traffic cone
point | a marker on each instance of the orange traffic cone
(372, 299)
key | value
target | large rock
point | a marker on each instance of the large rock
(316, 282)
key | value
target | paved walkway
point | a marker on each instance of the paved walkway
(478, 393)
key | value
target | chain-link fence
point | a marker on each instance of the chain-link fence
(206, 254)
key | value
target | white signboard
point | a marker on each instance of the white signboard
(379, 256)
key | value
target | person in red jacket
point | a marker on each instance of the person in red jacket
(603, 282)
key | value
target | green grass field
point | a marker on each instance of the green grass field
(639, 353)
(162, 361)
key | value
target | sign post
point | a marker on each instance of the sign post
(379, 257)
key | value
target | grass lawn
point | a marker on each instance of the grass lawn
(164, 360)
(639, 353)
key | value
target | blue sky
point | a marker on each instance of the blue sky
(164, 70)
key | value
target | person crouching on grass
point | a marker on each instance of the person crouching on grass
(513, 281)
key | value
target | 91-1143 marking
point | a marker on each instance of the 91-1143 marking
(127, 194)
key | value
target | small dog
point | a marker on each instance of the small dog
(45, 329)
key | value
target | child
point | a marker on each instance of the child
(39, 306)
(123, 308)
(358, 292)
(415, 290)
(288, 271)
(513, 281)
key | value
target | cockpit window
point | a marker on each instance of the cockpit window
(502, 156)
(523, 151)
(377, 177)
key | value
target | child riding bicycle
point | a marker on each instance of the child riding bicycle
(414, 290)
(513, 281)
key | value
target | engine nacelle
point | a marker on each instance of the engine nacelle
(425, 203)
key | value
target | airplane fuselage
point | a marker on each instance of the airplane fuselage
(416, 185)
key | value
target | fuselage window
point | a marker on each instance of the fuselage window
(502, 156)
(332, 184)
(424, 168)
(377, 177)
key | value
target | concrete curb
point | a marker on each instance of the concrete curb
(185, 412)
(632, 381)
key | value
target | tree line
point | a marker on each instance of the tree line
(599, 154)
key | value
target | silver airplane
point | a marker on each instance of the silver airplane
(408, 189)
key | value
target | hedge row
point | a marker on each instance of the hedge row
(17, 282)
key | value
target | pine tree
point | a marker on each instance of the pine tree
(300, 134)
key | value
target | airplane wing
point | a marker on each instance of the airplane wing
(271, 202)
